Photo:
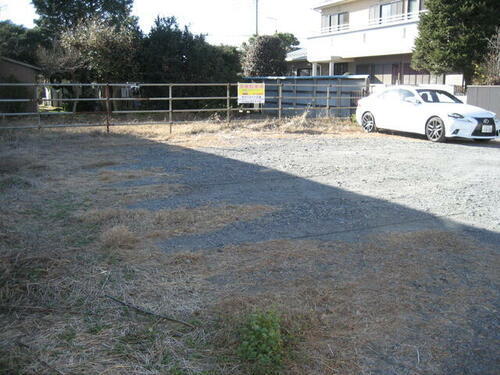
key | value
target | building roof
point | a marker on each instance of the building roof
(20, 63)
(327, 3)
(298, 55)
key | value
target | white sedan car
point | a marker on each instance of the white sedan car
(434, 113)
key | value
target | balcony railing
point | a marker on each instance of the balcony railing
(373, 23)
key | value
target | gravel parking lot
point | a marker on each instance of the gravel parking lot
(337, 188)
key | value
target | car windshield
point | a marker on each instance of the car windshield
(437, 96)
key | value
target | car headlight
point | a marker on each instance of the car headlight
(455, 115)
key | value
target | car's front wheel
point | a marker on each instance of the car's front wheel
(435, 130)
(368, 122)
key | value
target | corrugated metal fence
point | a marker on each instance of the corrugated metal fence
(487, 97)
(322, 95)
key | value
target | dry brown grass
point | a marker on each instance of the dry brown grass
(218, 133)
(166, 223)
(343, 313)
(66, 240)
(118, 237)
(124, 175)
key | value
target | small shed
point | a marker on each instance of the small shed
(13, 71)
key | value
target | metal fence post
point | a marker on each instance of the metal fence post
(339, 96)
(280, 100)
(35, 102)
(328, 101)
(295, 95)
(228, 102)
(170, 107)
(107, 107)
(314, 93)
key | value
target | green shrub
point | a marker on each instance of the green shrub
(262, 343)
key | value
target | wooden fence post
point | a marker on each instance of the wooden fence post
(228, 102)
(170, 107)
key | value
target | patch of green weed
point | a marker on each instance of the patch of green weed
(261, 343)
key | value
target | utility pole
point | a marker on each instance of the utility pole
(256, 17)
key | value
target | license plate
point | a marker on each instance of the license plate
(487, 129)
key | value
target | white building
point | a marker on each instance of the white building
(373, 37)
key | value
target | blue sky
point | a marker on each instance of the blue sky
(225, 21)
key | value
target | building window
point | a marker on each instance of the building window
(304, 72)
(387, 12)
(363, 69)
(412, 6)
(340, 68)
(339, 21)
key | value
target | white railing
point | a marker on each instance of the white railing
(373, 23)
(395, 18)
(334, 29)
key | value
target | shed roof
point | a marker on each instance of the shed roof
(26, 65)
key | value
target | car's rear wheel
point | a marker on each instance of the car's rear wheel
(368, 122)
(434, 130)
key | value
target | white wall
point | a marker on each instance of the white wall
(392, 39)
(454, 79)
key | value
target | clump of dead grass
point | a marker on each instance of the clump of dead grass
(162, 224)
(185, 258)
(123, 175)
(118, 237)
(24, 276)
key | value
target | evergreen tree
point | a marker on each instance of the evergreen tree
(18, 42)
(58, 15)
(265, 56)
(453, 35)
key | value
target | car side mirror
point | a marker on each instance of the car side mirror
(412, 100)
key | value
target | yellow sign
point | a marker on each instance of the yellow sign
(251, 93)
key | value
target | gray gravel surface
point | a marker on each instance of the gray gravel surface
(336, 188)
